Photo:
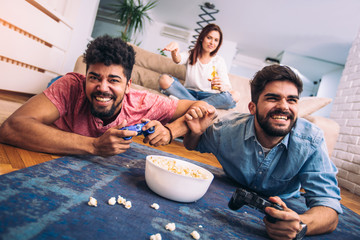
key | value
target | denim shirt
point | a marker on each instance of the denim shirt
(300, 160)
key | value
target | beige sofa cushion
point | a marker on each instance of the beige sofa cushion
(145, 77)
(242, 85)
(309, 105)
(158, 65)
(330, 127)
(80, 66)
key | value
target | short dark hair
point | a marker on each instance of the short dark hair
(271, 73)
(109, 50)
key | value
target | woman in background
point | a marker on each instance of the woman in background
(206, 73)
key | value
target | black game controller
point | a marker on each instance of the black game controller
(137, 128)
(243, 197)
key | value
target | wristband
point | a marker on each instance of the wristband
(302, 231)
(171, 136)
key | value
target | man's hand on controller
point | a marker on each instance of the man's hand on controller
(112, 141)
(289, 223)
(139, 129)
(160, 137)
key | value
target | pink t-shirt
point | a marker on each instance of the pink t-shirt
(68, 95)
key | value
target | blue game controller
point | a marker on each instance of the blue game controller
(137, 128)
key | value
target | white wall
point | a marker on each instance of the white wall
(246, 66)
(346, 111)
(42, 40)
(82, 14)
(153, 40)
(327, 88)
(313, 70)
(228, 51)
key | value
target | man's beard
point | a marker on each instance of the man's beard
(105, 114)
(273, 131)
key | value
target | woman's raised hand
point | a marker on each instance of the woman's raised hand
(172, 47)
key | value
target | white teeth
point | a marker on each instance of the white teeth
(100, 99)
(279, 117)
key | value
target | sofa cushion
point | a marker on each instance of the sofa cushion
(80, 66)
(142, 88)
(241, 85)
(330, 128)
(158, 63)
(145, 77)
(309, 105)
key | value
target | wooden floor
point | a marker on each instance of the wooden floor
(12, 158)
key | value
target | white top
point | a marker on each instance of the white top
(197, 75)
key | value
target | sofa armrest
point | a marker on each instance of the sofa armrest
(330, 128)
(80, 66)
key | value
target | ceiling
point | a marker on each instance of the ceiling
(322, 29)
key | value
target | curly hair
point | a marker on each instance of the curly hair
(108, 50)
(196, 51)
(273, 73)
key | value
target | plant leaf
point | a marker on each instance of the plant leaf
(132, 15)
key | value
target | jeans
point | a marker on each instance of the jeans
(222, 100)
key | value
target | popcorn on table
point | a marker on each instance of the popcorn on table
(155, 206)
(195, 235)
(112, 201)
(170, 226)
(92, 202)
(121, 200)
(155, 237)
(127, 205)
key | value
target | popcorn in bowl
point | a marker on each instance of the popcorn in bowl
(170, 165)
(176, 179)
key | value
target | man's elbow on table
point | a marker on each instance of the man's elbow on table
(333, 225)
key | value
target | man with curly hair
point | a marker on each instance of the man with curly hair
(81, 114)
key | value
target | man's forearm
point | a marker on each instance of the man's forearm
(191, 141)
(320, 220)
(178, 127)
(35, 136)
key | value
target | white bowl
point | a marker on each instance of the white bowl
(173, 186)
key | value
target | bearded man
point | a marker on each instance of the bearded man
(81, 114)
(274, 153)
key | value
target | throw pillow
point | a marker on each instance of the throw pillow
(309, 105)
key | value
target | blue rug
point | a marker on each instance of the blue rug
(49, 201)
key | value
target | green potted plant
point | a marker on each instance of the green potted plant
(132, 14)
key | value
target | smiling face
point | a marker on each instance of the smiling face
(276, 110)
(211, 41)
(106, 87)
